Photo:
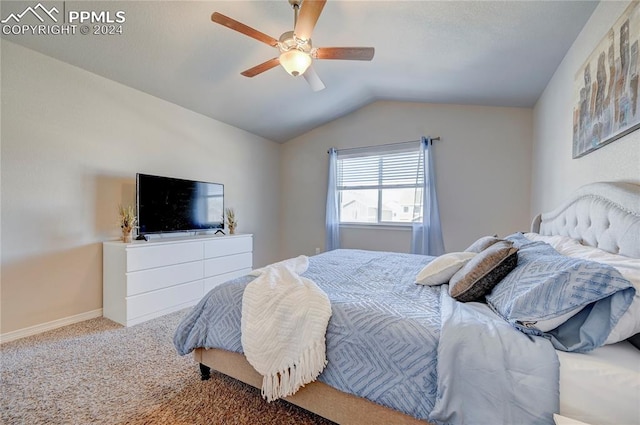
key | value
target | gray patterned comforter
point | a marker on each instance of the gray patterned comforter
(385, 342)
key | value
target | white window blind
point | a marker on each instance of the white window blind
(400, 169)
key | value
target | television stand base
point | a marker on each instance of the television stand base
(219, 231)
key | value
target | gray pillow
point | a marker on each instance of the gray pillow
(478, 277)
(483, 243)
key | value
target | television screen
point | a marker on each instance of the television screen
(167, 204)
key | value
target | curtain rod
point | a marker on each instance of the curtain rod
(390, 144)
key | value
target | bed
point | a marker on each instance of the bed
(605, 216)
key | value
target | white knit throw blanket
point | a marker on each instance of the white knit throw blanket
(284, 322)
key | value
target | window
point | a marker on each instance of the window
(377, 187)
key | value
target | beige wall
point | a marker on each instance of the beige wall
(482, 167)
(555, 174)
(72, 143)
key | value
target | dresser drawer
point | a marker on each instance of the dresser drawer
(147, 257)
(150, 302)
(228, 246)
(212, 282)
(163, 277)
(230, 263)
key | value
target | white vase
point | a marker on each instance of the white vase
(126, 236)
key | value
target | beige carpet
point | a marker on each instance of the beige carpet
(98, 372)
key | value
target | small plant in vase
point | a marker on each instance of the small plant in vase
(127, 222)
(231, 220)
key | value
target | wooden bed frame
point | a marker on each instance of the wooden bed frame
(316, 397)
(604, 215)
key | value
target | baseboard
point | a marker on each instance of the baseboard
(55, 324)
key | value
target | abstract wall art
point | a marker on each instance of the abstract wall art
(606, 103)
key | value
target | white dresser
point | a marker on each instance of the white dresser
(143, 280)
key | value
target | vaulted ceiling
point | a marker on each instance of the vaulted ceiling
(497, 53)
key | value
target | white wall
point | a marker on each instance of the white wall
(72, 143)
(555, 174)
(482, 166)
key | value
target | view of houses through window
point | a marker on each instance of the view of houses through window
(395, 205)
(381, 188)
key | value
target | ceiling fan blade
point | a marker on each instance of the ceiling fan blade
(309, 14)
(348, 53)
(219, 18)
(312, 78)
(259, 69)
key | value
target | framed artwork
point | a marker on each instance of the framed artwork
(606, 104)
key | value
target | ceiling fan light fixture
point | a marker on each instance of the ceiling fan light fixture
(295, 61)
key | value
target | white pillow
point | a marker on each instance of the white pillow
(441, 269)
(556, 241)
(629, 268)
(563, 420)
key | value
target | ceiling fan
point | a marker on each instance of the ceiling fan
(296, 50)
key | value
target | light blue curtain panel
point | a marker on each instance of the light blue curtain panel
(426, 238)
(332, 221)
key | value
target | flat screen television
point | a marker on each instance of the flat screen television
(167, 204)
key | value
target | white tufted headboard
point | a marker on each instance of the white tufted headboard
(605, 215)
